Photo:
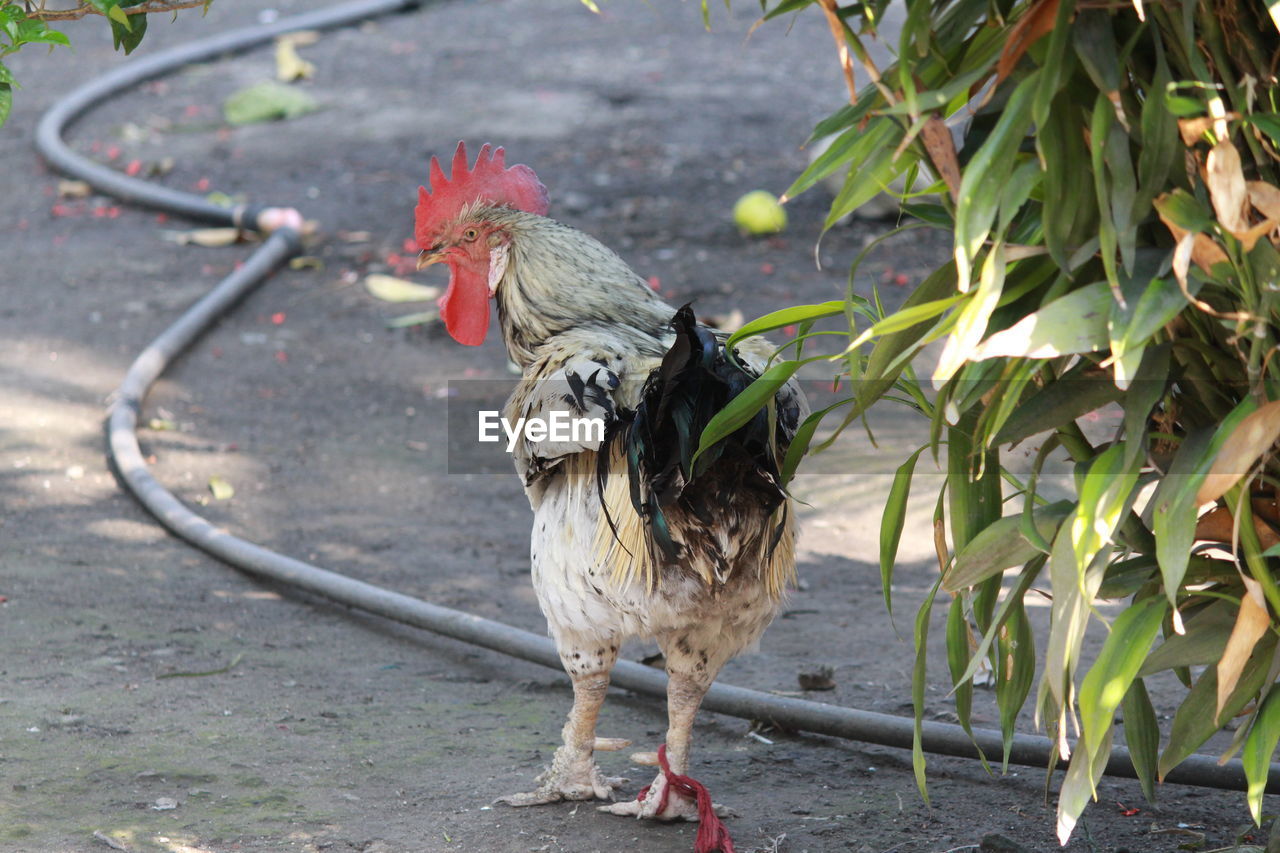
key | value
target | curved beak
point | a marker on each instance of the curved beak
(427, 257)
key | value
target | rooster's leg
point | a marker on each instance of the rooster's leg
(573, 774)
(689, 676)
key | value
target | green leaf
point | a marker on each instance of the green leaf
(267, 101)
(895, 513)
(887, 358)
(1268, 123)
(919, 674)
(128, 35)
(1184, 210)
(1174, 517)
(1105, 685)
(971, 324)
(118, 15)
(1080, 784)
(1259, 746)
(1059, 402)
(984, 178)
(1195, 721)
(786, 317)
(1000, 546)
(1145, 390)
(1015, 671)
(6, 102)
(848, 150)
(744, 407)
(1202, 644)
(1142, 736)
(1075, 323)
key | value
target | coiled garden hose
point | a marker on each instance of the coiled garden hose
(283, 241)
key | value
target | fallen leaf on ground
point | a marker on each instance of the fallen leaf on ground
(220, 488)
(391, 289)
(208, 237)
(290, 66)
(267, 101)
(820, 679)
(73, 189)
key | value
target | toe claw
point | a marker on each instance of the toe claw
(611, 744)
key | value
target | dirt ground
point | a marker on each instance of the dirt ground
(157, 698)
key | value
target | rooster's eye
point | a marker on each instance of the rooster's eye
(470, 234)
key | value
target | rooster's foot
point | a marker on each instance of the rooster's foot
(677, 806)
(567, 779)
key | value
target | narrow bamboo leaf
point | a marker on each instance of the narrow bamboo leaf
(866, 182)
(1004, 613)
(919, 677)
(1073, 594)
(745, 406)
(895, 513)
(884, 364)
(786, 317)
(1142, 736)
(1081, 784)
(1070, 396)
(1100, 126)
(1160, 147)
(1001, 546)
(1106, 494)
(1145, 390)
(1202, 644)
(984, 178)
(1108, 680)
(1095, 45)
(1259, 746)
(849, 150)
(1016, 656)
(1058, 65)
(1195, 720)
(801, 441)
(957, 662)
(971, 325)
(1174, 517)
(1148, 307)
(1072, 215)
(6, 101)
(1075, 323)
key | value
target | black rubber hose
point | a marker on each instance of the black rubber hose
(283, 242)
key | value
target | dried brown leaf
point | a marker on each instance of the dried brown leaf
(1251, 623)
(1265, 197)
(1199, 248)
(942, 152)
(1218, 525)
(1254, 436)
(1248, 239)
(1194, 129)
(1029, 29)
(1225, 177)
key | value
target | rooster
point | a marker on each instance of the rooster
(632, 535)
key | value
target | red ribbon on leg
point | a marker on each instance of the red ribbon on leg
(713, 835)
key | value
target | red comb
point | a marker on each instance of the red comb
(489, 180)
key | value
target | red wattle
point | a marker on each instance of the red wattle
(465, 307)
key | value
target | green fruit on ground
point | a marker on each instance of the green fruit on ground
(759, 212)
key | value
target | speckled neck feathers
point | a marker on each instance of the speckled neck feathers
(558, 278)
